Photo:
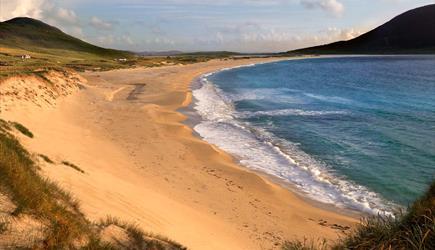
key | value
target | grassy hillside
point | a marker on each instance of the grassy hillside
(410, 32)
(50, 48)
(35, 36)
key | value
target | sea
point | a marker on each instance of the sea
(354, 132)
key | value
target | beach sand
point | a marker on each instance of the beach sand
(143, 165)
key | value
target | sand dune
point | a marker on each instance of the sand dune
(143, 165)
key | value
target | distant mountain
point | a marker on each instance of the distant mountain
(410, 32)
(33, 35)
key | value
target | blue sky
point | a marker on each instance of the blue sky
(193, 25)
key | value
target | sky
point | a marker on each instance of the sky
(210, 25)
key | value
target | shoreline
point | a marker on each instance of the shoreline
(144, 165)
(193, 118)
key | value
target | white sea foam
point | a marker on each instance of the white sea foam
(210, 105)
(276, 94)
(287, 112)
(260, 150)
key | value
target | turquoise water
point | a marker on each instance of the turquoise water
(356, 132)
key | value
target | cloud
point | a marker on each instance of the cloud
(45, 10)
(100, 24)
(30, 8)
(343, 34)
(257, 37)
(211, 29)
(65, 15)
(334, 7)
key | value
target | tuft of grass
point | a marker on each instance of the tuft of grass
(4, 126)
(306, 245)
(25, 131)
(46, 158)
(140, 239)
(413, 230)
(71, 165)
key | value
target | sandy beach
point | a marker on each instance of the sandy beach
(143, 165)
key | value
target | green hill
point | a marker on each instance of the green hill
(50, 48)
(33, 35)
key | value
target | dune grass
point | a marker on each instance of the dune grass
(306, 244)
(25, 131)
(65, 225)
(46, 158)
(72, 165)
(140, 239)
(37, 196)
(412, 230)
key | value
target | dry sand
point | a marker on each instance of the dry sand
(144, 166)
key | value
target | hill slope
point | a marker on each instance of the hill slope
(33, 35)
(410, 32)
(49, 48)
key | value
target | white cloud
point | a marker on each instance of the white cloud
(255, 37)
(343, 34)
(45, 10)
(100, 24)
(332, 6)
(30, 8)
(65, 15)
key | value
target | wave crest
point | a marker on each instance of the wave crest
(288, 112)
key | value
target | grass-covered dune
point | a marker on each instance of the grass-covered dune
(49, 215)
(413, 230)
